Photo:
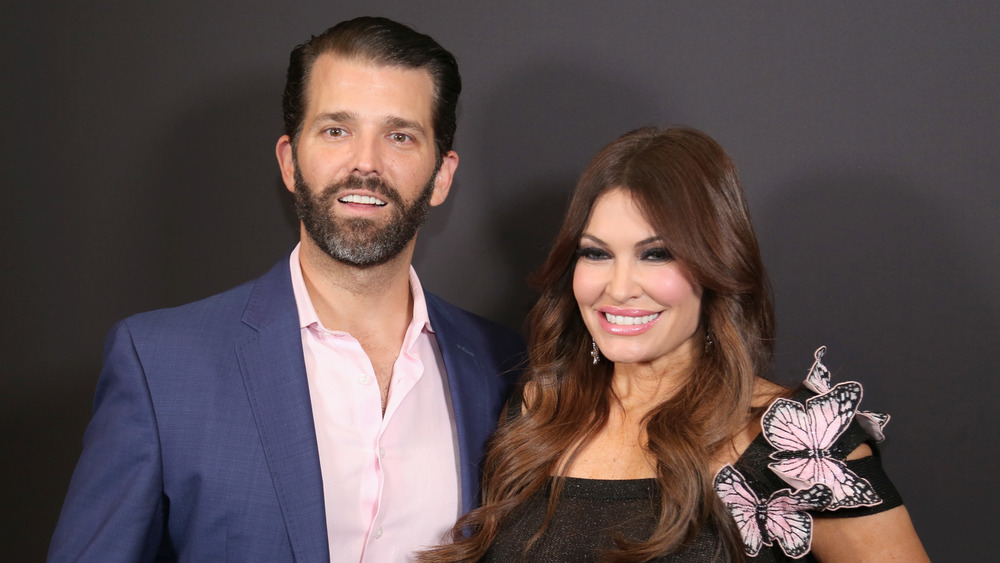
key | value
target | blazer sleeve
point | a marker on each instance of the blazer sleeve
(114, 510)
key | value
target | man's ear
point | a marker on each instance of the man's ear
(445, 174)
(286, 161)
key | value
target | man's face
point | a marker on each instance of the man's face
(363, 171)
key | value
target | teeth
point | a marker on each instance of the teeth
(363, 199)
(623, 320)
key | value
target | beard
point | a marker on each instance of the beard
(359, 241)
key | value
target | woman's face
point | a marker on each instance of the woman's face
(638, 303)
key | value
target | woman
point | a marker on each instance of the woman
(639, 436)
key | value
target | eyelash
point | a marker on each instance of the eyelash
(649, 255)
(657, 255)
(591, 253)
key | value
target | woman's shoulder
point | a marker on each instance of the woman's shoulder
(811, 453)
(766, 392)
(819, 419)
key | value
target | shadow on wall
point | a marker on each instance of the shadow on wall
(541, 129)
(865, 266)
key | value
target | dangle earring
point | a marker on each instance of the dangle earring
(708, 339)
(594, 352)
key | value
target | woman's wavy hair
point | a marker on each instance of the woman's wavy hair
(687, 188)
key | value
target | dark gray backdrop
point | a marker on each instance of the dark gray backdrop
(139, 173)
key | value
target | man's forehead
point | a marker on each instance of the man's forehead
(332, 72)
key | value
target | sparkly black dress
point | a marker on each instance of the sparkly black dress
(793, 471)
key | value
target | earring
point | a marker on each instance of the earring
(594, 352)
(708, 339)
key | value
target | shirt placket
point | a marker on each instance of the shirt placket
(369, 408)
(404, 376)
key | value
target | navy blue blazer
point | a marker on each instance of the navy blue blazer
(202, 445)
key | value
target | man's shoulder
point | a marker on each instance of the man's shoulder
(229, 307)
(219, 306)
(451, 321)
(461, 318)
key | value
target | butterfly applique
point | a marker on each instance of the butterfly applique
(803, 436)
(781, 518)
(818, 381)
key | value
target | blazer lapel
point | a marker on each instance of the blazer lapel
(275, 379)
(469, 398)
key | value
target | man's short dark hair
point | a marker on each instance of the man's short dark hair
(380, 41)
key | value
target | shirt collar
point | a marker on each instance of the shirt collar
(307, 313)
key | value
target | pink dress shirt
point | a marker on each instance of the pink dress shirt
(391, 483)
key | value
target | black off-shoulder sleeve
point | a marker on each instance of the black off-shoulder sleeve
(753, 464)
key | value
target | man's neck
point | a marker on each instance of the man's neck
(374, 300)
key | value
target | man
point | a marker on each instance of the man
(331, 408)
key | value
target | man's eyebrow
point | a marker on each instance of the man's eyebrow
(336, 116)
(401, 123)
(392, 121)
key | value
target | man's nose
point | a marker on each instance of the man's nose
(368, 155)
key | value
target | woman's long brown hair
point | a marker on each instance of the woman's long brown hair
(687, 188)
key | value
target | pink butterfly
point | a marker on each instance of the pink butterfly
(818, 381)
(782, 518)
(803, 436)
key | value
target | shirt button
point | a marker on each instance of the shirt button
(363, 380)
(381, 453)
(378, 532)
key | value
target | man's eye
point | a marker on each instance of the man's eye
(592, 253)
(334, 132)
(657, 255)
(400, 137)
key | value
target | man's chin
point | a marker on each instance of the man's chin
(360, 259)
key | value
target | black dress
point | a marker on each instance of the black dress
(804, 441)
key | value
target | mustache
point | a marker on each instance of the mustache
(374, 184)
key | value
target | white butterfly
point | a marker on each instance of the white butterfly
(781, 518)
(818, 381)
(803, 436)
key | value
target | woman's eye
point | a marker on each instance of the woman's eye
(657, 255)
(592, 253)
